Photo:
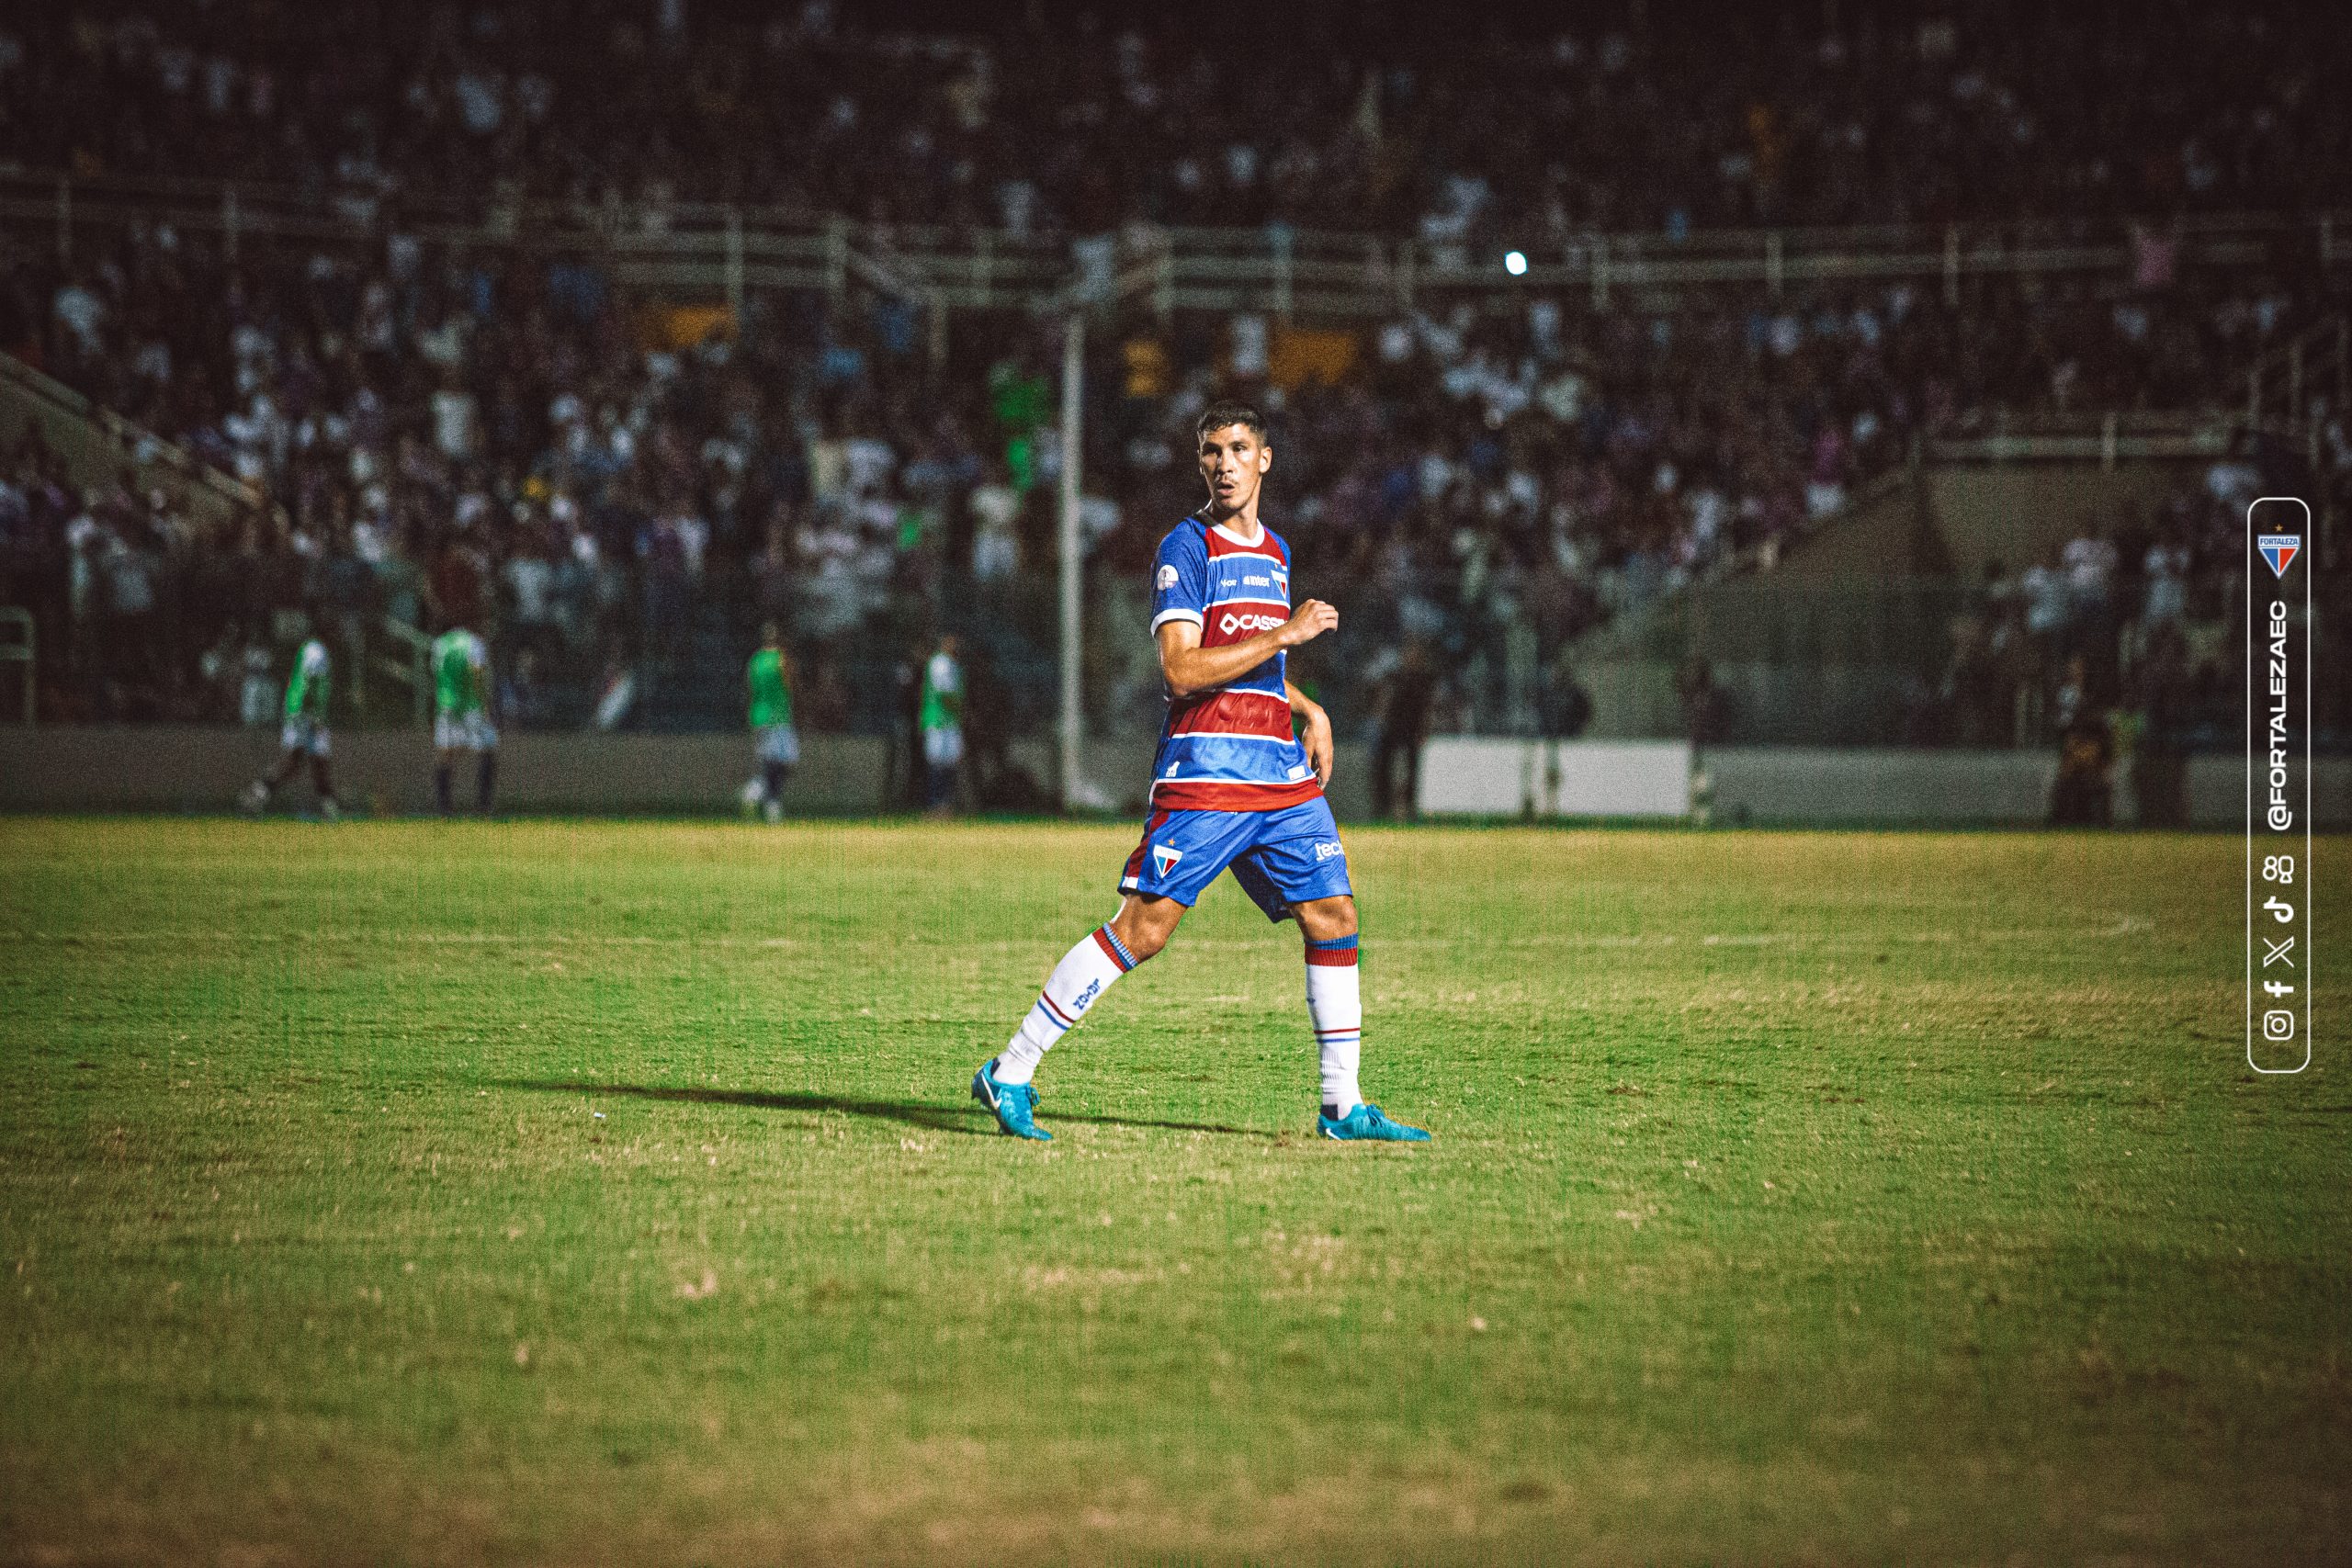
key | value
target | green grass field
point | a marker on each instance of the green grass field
(591, 1192)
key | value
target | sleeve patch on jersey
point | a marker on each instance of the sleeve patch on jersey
(1167, 579)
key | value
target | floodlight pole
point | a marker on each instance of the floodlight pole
(1073, 399)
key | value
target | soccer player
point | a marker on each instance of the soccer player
(941, 719)
(769, 677)
(1231, 787)
(304, 734)
(460, 717)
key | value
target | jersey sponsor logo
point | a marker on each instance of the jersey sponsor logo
(1257, 582)
(1298, 771)
(1329, 852)
(1247, 621)
(1163, 857)
(1167, 579)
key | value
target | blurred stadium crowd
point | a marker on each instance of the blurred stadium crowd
(1665, 116)
(618, 493)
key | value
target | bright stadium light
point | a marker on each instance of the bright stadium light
(1514, 263)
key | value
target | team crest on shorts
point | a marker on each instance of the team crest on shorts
(1163, 856)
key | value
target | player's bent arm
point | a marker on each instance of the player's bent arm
(1187, 667)
(1315, 733)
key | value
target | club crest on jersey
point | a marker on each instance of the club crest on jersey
(1163, 856)
(2279, 549)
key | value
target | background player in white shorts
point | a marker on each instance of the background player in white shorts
(768, 678)
(303, 734)
(461, 717)
(941, 719)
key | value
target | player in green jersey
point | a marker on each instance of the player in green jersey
(941, 719)
(461, 716)
(304, 734)
(769, 679)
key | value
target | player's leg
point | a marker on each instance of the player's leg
(321, 777)
(1334, 999)
(446, 741)
(771, 779)
(257, 794)
(942, 750)
(1180, 854)
(1335, 1005)
(1140, 928)
(485, 742)
(1300, 870)
(779, 749)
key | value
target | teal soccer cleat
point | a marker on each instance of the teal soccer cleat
(1015, 1104)
(1364, 1122)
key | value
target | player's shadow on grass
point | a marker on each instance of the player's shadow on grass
(973, 1119)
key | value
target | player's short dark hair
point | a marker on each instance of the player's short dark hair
(1227, 410)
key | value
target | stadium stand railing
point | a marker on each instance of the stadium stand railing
(721, 250)
(2288, 388)
(101, 448)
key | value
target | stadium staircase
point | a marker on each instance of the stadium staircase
(1830, 636)
(101, 449)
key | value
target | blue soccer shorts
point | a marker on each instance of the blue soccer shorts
(1281, 857)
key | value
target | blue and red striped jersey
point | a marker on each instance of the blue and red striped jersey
(1230, 747)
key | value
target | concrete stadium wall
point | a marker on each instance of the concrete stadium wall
(2021, 513)
(1814, 705)
(190, 768)
(198, 768)
(1468, 775)
(1803, 785)
(1800, 784)
(1953, 517)
(1493, 776)
(1887, 533)
(182, 768)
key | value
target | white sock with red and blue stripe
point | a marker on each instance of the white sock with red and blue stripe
(1077, 982)
(1335, 1004)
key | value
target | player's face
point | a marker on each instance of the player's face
(1233, 463)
